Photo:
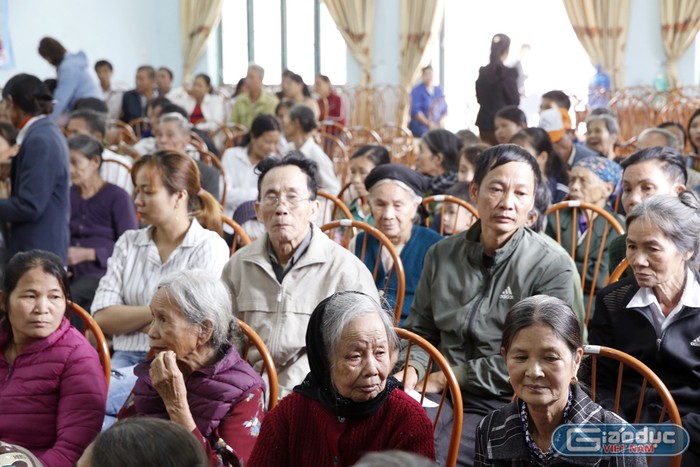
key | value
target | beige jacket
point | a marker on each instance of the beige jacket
(280, 313)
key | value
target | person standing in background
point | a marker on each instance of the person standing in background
(428, 105)
(72, 73)
(496, 87)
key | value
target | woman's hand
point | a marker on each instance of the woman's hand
(78, 254)
(436, 382)
(168, 380)
(411, 377)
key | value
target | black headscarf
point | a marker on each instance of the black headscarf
(318, 385)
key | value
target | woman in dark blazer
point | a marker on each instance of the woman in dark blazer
(38, 209)
(496, 87)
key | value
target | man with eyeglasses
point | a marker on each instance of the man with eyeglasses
(277, 281)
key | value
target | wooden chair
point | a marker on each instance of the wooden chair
(437, 359)
(119, 132)
(441, 201)
(333, 128)
(227, 135)
(343, 230)
(339, 153)
(198, 142)
(211, 160)
(240, 237)
(140, 126)
(119, 163)
(617, 273)
(332, 208)
(73, 309)
(268, 364)
(399, 142)
(588, 209)
(627, 364)
(362, 136)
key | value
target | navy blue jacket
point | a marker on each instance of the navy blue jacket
(131, 106)
(39, 209)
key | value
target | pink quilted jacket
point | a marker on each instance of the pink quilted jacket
(52, 398)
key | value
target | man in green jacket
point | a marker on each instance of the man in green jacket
(471, 280)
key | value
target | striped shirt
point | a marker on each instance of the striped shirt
(135, 269)
(115, 173)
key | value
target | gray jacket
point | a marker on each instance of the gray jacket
(460, 306)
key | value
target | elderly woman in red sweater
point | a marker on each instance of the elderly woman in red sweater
(349, 404)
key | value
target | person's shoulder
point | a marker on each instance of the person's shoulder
(618, 294)
(427, 235)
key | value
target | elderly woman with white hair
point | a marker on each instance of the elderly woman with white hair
(395, 193)
(197, 378)
(661, 304)
(602, 133)
(349, 404)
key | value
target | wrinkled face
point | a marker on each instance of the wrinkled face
(82, 169)
(393, 209)
(152, 201)
(265, 144)
(36, 307)
(428, 163)
(466, 170)
(456, 219)
(104, 74)
(645, 179)
(362, 360)
(694, 131)
(200, 88)
(285, 207)
(505, 129)
(144, 83)
(170, 136)
(600, 139)
(653, 257)
(170, 329)
(586, 186)
(163, 80)
(360, 167)
(253, 80)
(541, 366)
(504, 198)
(78, 126)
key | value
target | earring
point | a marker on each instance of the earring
(574, 380)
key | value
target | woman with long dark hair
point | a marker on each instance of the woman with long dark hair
(496, 87)
(38, 209)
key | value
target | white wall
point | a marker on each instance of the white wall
(128, 33)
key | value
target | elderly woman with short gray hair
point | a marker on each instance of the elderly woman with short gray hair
(602, 133)
(349, 404)
(99, 213)
(661, 303)
(197, 378)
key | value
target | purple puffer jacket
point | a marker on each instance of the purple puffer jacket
(52, 398)
(211, 391)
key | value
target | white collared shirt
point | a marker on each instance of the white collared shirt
(645, 297)
(25, 128)
(135, 269)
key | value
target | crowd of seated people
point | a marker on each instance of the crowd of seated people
(498, 294)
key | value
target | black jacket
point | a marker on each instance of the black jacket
(131, 106)
(496, 87)
(674, 355)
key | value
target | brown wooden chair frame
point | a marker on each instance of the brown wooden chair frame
(338, 205)
(211, 160)
(435, 357)
(139, 125)
(444, 199)
(238, 234)
(649, 377)
(268, 364)
(384, 242)
(618, 271)
(94, 328)
(126, 133)
(576, 206)
(119, 163)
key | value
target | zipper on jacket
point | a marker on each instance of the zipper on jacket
(274, 338)
(472, 317)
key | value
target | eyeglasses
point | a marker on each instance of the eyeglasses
(292, 200)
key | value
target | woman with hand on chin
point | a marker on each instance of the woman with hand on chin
(542, 347)
(197, 378)
(184, 233)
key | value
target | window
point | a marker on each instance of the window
(274, 45)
